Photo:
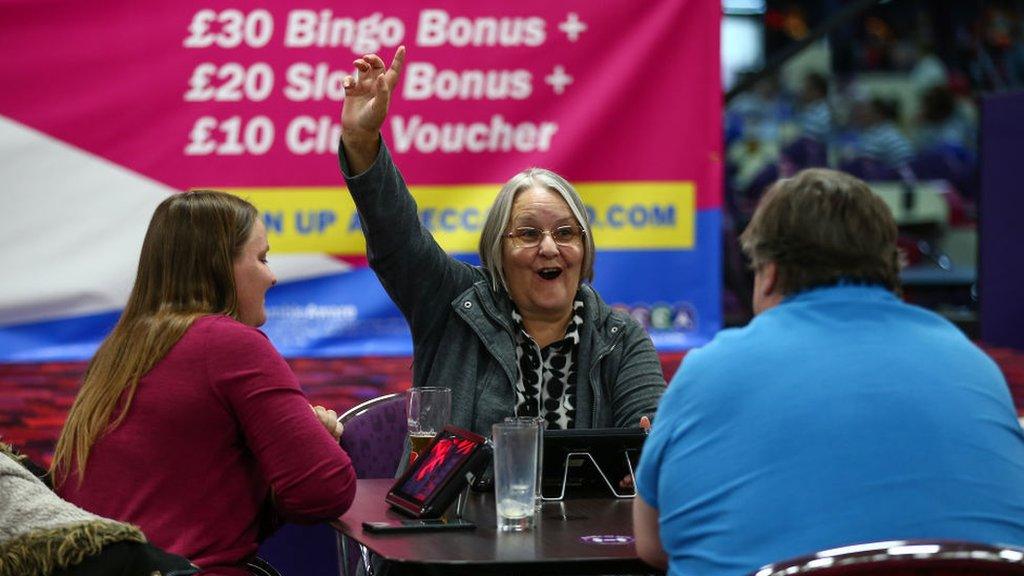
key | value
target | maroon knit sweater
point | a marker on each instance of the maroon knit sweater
(214, 427)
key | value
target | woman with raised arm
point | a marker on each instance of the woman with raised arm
(523, 334)
(189, 424)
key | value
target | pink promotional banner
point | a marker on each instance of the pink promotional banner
(109, 107)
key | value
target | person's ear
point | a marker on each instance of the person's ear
(770, 277)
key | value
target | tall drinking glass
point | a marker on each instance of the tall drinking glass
(515, 474)
(429, 409)
(541, 424)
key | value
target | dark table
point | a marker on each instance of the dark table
(554, 546)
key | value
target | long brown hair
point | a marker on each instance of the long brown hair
(185, 271)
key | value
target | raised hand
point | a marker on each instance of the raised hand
(367, 96)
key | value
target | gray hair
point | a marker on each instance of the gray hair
(493, 234)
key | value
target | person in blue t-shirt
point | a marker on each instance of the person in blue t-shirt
(839, 415)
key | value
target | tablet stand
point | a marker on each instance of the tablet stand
(607, 482)
(460, 503)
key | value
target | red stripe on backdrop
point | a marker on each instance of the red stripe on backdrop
(35, 398)
(353, 261)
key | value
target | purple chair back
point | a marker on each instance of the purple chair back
(374, 438)
(375, 435)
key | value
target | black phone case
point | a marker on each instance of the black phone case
(391, 527)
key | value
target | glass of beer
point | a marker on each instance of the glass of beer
(428, 411)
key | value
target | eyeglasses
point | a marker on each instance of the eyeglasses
(527, 237)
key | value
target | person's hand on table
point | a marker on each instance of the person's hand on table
(329, 418)
(627, 482)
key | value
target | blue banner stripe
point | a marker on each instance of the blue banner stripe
(676, 294)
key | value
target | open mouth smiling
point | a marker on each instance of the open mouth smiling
(549, 273)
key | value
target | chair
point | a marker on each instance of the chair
(374, 435)
(905, 558)
(374, 438)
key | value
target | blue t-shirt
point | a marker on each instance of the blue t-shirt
(840, 416)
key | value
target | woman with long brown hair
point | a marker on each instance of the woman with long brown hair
(189, 423)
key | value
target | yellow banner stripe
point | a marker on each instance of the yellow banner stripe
(624, 216)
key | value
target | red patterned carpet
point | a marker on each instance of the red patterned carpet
(34, 398)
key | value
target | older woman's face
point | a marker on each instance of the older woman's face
(542, 281)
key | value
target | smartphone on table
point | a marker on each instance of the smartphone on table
(421, 525)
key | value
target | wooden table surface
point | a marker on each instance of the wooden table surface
(556, 545)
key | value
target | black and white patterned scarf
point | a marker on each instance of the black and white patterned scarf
(547, 378)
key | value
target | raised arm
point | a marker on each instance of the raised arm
(418, 275)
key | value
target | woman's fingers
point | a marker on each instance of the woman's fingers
(374, 61)
(371, 66)
(329, 420)
(399, 61)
